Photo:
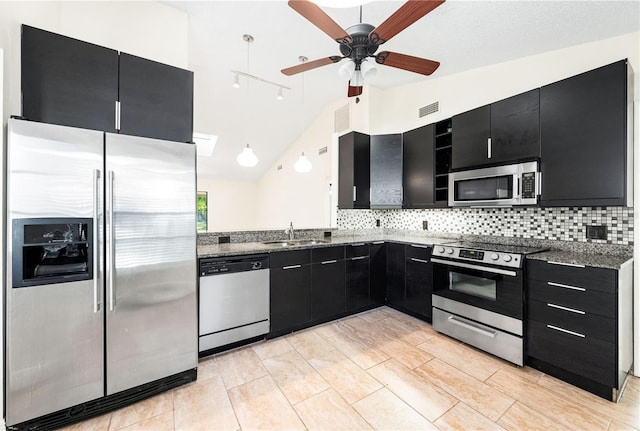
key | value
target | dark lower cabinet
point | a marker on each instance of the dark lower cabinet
(572, 324)
(584, 131)
(395, 274)
(378, 272)
(290, 299)
(357, 280)
(328, 291)
(418, 280)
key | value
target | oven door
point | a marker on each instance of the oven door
(499, 290)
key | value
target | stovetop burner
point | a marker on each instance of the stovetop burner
(500, 248)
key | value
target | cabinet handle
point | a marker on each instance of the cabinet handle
(575, 265)
(359, 257)
(377, 242)
(419, 260)
(117, 115)
(488, 148)
(328, 262)
(566, 331)
(566, 286)
(357, 244)
(560, 307)
(471, 326)
(419, 246)
(292, 267)
(354, 194)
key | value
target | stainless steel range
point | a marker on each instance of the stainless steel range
(478, 296)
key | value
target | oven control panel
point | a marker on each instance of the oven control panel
(512, 260)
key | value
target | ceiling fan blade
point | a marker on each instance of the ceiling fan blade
(354, 91)
(407, 62)
(408, 13)
(320, 19)
(311, 65)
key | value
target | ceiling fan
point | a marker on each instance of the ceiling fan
(361, 41)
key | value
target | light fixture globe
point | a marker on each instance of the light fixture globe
(368, 69)
(346, 70)
(247, 158)
(303, 164)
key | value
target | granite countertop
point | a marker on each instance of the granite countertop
(244, 248)
(609, 261)
(596, 255)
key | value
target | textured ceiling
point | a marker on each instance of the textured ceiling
(462, 35)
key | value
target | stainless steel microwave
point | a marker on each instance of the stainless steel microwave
(507, 185)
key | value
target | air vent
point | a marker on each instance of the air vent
(341, 120)
(429, 109)
(322, 151)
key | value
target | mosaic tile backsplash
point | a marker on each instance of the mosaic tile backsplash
(563, 224)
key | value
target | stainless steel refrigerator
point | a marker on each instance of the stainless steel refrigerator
(101, 306)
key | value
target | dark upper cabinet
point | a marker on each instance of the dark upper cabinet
(67, 81)
(74, 83)
(353, 171)
(156, 100)
(470, 140)
(386, 171)
(584, 130)
(418, 168)
(506, 131)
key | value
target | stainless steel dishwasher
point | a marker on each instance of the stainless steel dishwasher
(234, 300)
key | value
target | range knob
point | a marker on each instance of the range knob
(440, 249)
(507, 258)
(450, 250)
(495, 256)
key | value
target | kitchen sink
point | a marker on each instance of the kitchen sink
(293, 242)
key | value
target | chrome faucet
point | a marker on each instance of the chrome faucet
(290, 231)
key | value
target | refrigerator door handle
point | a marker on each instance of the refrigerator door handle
(111, 242)
(96, 236)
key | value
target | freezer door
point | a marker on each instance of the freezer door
(54, 331)
(151, 260)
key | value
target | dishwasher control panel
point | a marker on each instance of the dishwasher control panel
(221, 265)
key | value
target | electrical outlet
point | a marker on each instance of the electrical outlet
(377, 222)
(425, 225)
(597, 232)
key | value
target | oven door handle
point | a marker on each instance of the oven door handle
(472, 327)
(478, 267)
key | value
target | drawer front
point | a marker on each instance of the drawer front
(418, 251)
(604, 280)
(327, 254)
(567, 295)
(281, 259)
(588, 324)
(586, 356)
(357, 250)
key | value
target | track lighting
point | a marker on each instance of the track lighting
(247, 158)
(280, 96)
(236, 81)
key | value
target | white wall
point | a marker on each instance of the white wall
(232, 205)
(3, 249)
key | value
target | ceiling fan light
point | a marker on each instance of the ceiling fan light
(368, 70)
(236, 81)
(357, 80)
(303, 164)
(346, 70)
(247, 158)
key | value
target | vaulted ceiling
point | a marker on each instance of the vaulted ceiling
(462, 35)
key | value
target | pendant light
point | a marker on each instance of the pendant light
(303, 164)
(247, 158)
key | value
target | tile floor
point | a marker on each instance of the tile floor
(378, 370)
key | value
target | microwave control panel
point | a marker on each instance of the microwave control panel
(528, 185)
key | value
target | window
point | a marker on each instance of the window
(202, 211)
